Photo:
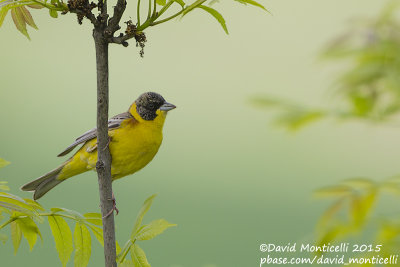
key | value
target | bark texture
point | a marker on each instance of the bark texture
(103, 165)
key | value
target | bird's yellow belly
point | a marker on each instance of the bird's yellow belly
(130, 155)
(131, 149)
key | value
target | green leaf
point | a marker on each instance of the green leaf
(29, 230)
(94, 218)
(153, 229)
(333, 191)
(3, 162)
(3, 14)
(192, 6)
(16, 235)
(161, 2)
(361, 207)
(35, 6)
(335, 233)
(216, 15)
(251, 2)
(145, 208)
(139, 257)
(16, 203)
(34, 204)
(359, 182)
(62, 237)
(28, 17)
(117, 247)
(53, 13)
(77, 216)
(83, 245)
(295, 119)
(180, 2)
(19, 21)
(98, 233)
(126, 263)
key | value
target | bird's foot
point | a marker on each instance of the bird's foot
(108, 143)
(113, 208)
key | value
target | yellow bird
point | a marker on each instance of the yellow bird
(135, 137)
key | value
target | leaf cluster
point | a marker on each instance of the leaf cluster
(354, 203)
(155, 15)
(21, 15)
(141, 232)
(24, 216)
(369, 88)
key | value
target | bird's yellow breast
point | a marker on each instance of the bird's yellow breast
(132, 146)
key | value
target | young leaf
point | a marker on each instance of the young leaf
(139, 257)
(361, 207)
(53, 13)
(333, 191)
(35, 6)
(62, 237)
(146, 206)
(83, 245)
(34, 204)
(16, 236)
(117, 247)
(19, 21)
(3, 14)
(98, 233)
(251, 2)
(296, 119)
(94, 218)
(126, 263)
(3, 162)
(72, 213)
(359, 182)
(333, 234)
(327, 216)
(29, 230)
(16, 203)
(180, 2)
(153, 229)
(216, 15)
(28, 17)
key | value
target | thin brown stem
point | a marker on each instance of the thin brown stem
(103, 166)
(113, 23)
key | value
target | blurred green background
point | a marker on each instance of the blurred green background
(223, 174)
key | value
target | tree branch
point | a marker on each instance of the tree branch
(82, 8)
(103, 165)
(113, 23)
(122, 39)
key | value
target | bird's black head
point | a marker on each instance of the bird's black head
(148, 103)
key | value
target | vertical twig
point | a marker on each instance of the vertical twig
(103, 165)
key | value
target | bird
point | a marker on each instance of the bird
(134, 139)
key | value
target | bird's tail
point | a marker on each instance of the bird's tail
(43, 184)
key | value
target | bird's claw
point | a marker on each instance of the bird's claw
(108, 143)
(113, 208)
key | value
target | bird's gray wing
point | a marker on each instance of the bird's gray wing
(113, 123)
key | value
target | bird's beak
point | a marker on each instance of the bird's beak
(167, 106)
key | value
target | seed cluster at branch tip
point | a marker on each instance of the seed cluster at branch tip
(140, 37)
(82, 8)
